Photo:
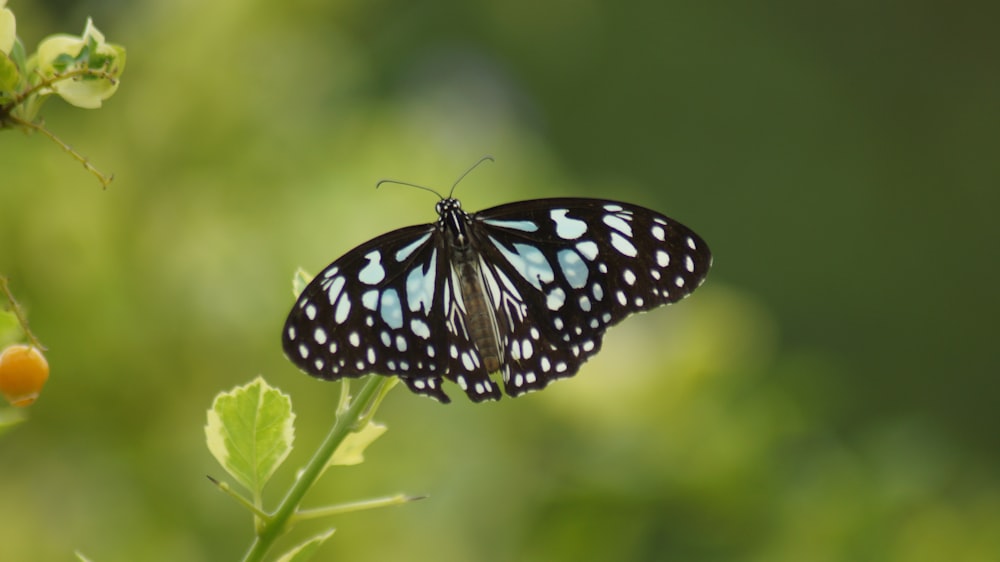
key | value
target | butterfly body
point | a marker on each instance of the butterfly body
(527, 289)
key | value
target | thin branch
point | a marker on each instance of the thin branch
(50, 83)
(227, 489)
(354, 506)
(19, 314)
(105, 180)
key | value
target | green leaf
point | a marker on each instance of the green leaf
(8, 29)
(10, 417)
(250, 432)
(306, 550)
(10, 328)
(351, 450)
(63, 54)
(10, 76)
(299, 281)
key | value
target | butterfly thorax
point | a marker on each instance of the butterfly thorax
(480, 319)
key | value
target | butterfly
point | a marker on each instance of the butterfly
(526, 289)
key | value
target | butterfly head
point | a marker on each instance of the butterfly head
(447, 206)
(452, 219)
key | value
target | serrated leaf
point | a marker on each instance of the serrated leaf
(352, 448)
(307, 549)
(250, 432)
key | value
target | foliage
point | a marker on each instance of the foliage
(250, 432)
(83, 70)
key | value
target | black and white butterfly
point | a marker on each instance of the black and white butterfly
(527, 289)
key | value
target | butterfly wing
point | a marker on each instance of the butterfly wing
(560, 271)
(389, 306)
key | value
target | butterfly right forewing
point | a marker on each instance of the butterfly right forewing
(575, 267)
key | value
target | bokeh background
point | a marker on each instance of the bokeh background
(830, 393)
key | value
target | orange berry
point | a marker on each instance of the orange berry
(23, 372)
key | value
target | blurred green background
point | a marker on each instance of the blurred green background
(828, 395)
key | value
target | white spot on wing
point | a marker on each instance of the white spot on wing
(567, 228)
(420, 328)
(342, 310)
(615, 222)
(523, 226)
(628, 276)
(407, 250)
(391, 309)
(529, 262)
(319, 335)
(555, 299)
(623, 245)
(597, 291)
(369, 299)
(334, 289)
(373, 272)
(573, 268)
(588, 249)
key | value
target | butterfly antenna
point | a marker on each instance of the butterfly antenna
(465, 173)
(408, 184)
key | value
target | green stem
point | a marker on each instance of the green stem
(344, 424)
(105, 180)
(342, 508)
(15, 307)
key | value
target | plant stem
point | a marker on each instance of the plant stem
(342, 426)
(338, 509)
(15, 307)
